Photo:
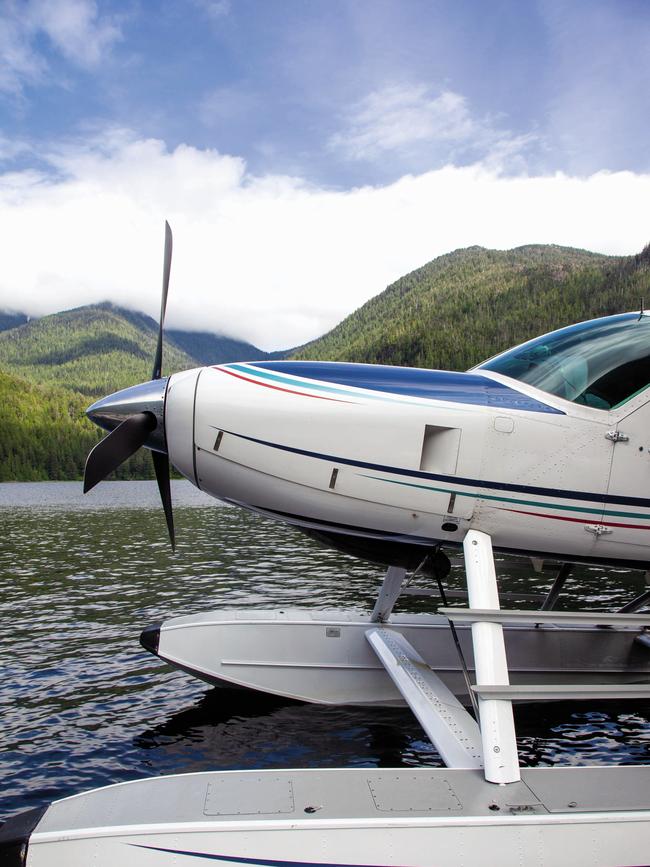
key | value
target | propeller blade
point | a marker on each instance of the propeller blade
(119, 445)
(161, 466)
(167, 267)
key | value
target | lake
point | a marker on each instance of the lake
(83, 705)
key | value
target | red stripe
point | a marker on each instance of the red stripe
(278, 388)
(580, 520)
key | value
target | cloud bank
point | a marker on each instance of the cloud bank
(270, 259)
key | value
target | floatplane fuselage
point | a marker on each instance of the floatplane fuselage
(545, 447)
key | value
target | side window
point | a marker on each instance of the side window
(601, 363)
(618, 385)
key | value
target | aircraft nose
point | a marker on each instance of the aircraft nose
(149, 397)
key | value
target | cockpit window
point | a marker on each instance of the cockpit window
(601, 363)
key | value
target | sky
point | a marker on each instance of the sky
(307, 153)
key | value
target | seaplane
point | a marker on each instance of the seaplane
(542, 451)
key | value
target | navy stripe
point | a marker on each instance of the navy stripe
(455, 480)
(232, 859)
(467, 388)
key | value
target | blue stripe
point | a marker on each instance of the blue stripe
(454, 480)
(465, 388)
(232, 859)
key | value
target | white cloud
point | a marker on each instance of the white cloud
(73, 27)
(402, 120)
(392, 117)
(271, 259)
(18, 61)
(213, 9)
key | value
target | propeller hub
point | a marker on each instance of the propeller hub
(148, 397)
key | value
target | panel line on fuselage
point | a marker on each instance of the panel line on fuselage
(585, 496)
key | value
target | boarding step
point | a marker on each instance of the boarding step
(584, 618)
(452, 730)
(563, 691)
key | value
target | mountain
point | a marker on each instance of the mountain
(11, 320)
(212, 349)
(30, 419)
(51, 369)
(90, 350)
(466, 306)
(98, 349)
(46, 435)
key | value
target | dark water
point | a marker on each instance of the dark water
(82, 705)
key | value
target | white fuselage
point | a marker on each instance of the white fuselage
(364, 452)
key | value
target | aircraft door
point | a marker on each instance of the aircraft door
(626, 515)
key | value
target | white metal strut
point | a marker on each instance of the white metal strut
(453, 732)
(496, 717)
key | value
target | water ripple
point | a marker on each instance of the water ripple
(82, 705)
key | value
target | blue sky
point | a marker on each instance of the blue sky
(307, 152)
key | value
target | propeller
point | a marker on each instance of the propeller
(160, 460)
(117, 447)
(167, 267)
(135, 417)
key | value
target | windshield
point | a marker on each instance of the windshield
(601, 363)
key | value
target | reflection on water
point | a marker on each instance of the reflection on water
(82, 705)
(233, 729)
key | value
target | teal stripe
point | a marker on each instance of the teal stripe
(317, 386)
(535, 503)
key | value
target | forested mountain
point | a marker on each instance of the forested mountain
(97, 349)
(208, 348)
(464, 307)
(52, 368)
(11, 320)
(45, 434)
(452, 313)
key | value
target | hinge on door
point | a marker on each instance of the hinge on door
(597, 529)
(616, 436)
